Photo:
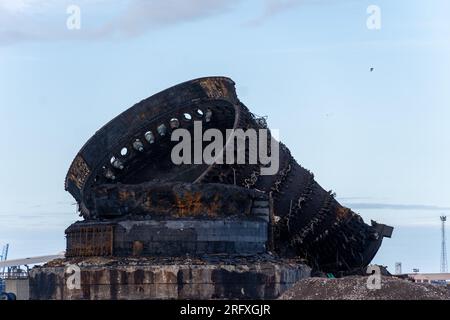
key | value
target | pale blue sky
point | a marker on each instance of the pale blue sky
(375, 138)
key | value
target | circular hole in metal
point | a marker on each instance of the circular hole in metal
(149, 136)
(208, 115)
(118, 164)
(109, 174)
(112, 160)
(187, 116)
(199, 112)
(162, 130)
(124, 151)
(138, 145)
(174, 123)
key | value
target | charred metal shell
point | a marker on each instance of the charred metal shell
(307, 220)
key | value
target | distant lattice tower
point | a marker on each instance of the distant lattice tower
(443, 246)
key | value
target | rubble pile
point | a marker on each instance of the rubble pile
(355, 288)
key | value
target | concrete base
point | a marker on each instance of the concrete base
(214, 277)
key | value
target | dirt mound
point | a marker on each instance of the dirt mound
(356, 288)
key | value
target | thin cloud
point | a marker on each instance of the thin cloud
(274, 8)
(385, 206)
(44, 20)
(354, 198)
(142, 16)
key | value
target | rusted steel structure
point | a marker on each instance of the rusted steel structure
(125, 172)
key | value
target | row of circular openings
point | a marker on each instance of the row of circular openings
(188, 117)
(150, 137)
(137, 145)
(174, 123)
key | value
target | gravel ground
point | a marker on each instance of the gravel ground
(355, 288)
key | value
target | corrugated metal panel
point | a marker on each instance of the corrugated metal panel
(90, 241)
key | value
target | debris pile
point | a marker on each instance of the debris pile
(356, 288)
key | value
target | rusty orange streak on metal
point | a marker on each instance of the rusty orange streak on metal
(342, 213)
(191, 204)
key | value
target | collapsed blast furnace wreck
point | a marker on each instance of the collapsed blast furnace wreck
(153, 229)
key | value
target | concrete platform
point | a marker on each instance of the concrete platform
(212, 277)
